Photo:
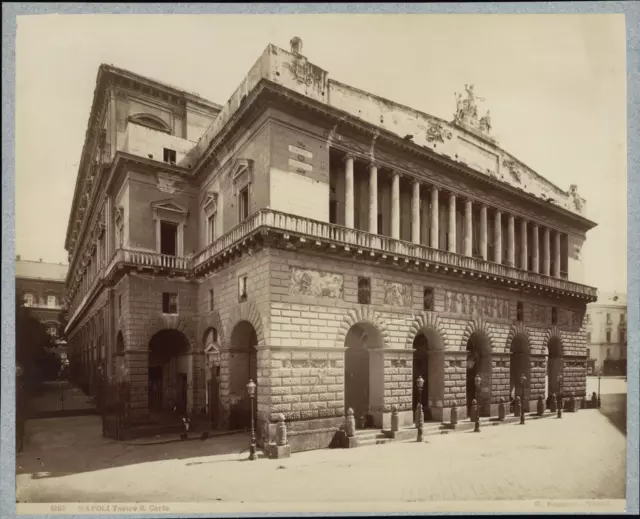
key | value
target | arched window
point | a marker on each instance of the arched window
(52, 301)
(29, 299)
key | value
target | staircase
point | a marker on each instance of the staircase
(371, 437)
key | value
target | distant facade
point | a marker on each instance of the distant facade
(606, 326)
(41, 287)
(330, 245)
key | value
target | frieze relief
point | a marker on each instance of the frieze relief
(397, 294)
(315, 283)
(168, 184)
(540, 314)
(475, 305)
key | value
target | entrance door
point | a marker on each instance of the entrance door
(356, 390)
(472, 370)
(421, 369)
(155, 388)
(213, 396)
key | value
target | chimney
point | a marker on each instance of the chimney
(18, 257)
(296, 45)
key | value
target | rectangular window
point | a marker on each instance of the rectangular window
(169, 155)
(169, 303)
(622, 318)
(210, 299)
(242, 289)
(380, 222)
(364, 291)
(51, 301)
(608, 353)
(608, 318)
(623, 337)
(119, 305)
(427, 298)
(608, 336)
(589, 337)
(588, 318)
(28, 300)
(168, 238)
(520, 311)
(554, 315)
(211, 228)
(244, 203)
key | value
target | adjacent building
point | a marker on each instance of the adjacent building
(606, 326)
(41, 287)
(328, 244)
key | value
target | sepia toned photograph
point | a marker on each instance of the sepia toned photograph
(320, 263)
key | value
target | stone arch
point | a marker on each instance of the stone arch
(519, 346)
(170, 322)
(426, 321)
(518, 329)
(247, 311)
(150, 121)
(555, 364)
(212, 320)
(477, 326)
(362, 314)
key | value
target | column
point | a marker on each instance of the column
(415, 212)
(524, 253)
(483, 231)
(556, 254)
(348, 192)
(497, 246)
(452, 223)
(373, 199)
(546, 252)
(468, 228)
(435, 217)
(511, 241)
(535, 253)
(395, 206)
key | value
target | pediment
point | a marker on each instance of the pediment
(150, 121)
(211, 349)
(242, 171)
(168, 205)
(209, 202)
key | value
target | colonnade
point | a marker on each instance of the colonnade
(537, 263)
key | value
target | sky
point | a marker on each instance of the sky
(555, 85)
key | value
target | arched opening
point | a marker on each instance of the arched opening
(243, 366)
(554, 368)
(428, 363)
(520, 365)
(168, 372)
(119, 344)
(364, 375)
(479, 363)
(212, 374)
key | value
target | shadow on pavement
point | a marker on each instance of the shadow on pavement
(56, 447)
(614, 407)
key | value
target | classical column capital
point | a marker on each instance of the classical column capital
(349, 156)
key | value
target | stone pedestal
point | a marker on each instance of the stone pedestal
(351, 442)
(278, 451)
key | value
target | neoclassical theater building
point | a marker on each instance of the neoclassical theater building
(328, 244)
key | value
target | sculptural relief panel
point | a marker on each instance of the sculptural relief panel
(476, 305)
(397, 294)
(316, 283)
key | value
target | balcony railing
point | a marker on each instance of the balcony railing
(153, 259)
(360, 239)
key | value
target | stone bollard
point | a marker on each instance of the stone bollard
(350, 424)
(420, 424)
(501, 410)
(281, 431)
(473, 415)
(454, 414)
(394, 419)
(554, 403)
(350, 429)
(540, 410)
(516, 406)
(281, 447)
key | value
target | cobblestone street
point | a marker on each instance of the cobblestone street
(581, 456)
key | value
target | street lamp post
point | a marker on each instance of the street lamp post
(251, 389)
(477, 380)
(523, 380)
(420, 424)
(599, 375)
(560, 396)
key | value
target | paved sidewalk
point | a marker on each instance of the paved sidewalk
(581, 456)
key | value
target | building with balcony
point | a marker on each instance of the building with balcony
(326, 243)
(40, 286)
(606, 327)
